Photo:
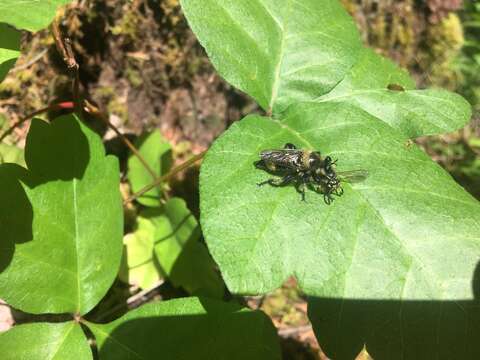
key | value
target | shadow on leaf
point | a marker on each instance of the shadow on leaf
(53, 152)
(398, 329)
(219, 331)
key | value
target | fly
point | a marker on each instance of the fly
(306, 169)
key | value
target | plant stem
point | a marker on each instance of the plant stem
(165, 177)
(93, 110)
(64, 47)
(52, 107)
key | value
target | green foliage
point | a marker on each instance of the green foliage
(31, 15)
(64, 221)
(396, 329)
(393, 260)
(406, 233)
(166, 244)
(64, 341)
(138, 263)
(11, 154)
(9, 48)
(61, 249)
(281, 54)
(158, 155)
(188, 329)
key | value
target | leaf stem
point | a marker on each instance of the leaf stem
(60, 106)
(165, 177)
(93, 110)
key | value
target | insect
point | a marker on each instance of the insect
(305, 169)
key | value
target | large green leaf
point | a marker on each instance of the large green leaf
(41, 341)
(397, 330)
(276, 50)
(158, 155)
(283, 52)
(32, 15)
(414, 112)
(9, 48)
(188, 328)
(407, 232)
(61, 228)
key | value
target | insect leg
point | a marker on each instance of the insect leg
(289, 146)
(327, 197)
(278, 182)
(301, 185)
(339, 191)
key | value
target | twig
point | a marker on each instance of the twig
(91, 109)
(59, 106)
(132, 299)
(31, 62)
(165, 177)
(144, 292)
(64, 47)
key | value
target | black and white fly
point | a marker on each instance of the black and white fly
(306, 168)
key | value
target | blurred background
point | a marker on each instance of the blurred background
(141, 65)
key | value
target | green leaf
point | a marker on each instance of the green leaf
(31, 15)
(179, 253)
(407, 232)
(9, 48)
(62, 231)
(188, 328)
(414, 112)
(158, 155)
(166, 245)
(397, 330)
(276, 51)
(285, 52)
(138, 266)
(62, 341)
(11, 154)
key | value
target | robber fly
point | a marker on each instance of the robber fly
(306, 168)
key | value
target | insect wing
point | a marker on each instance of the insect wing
(287, 158)
(352, 176)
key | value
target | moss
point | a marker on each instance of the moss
(446, 39)
(134, 77)
(128, 24)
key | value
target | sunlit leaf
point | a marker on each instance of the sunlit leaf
(40, 341)
(9, 48)
(158, 155)
(166, 244)
(407, 232)
(11, 154)
(139, 265)
(32, 15)
(283, 52)
(61, 233)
